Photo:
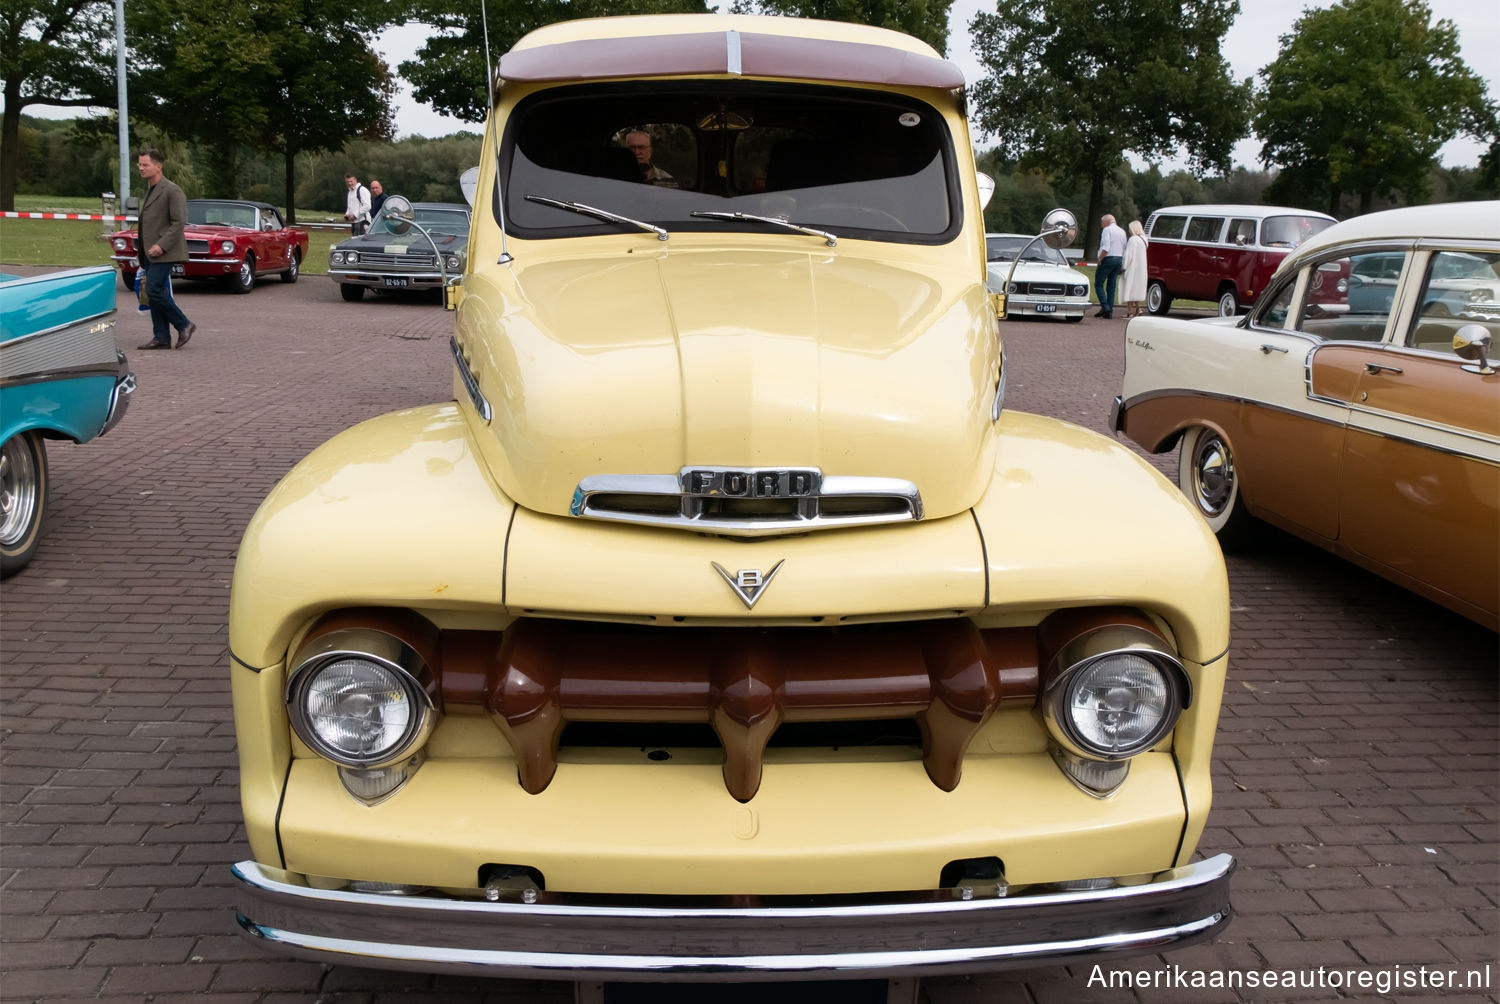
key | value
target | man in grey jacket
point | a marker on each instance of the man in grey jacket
(160, 243)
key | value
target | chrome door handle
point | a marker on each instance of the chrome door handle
(1378, 367)
(1268, 349)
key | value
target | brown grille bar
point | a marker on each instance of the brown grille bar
(947, 675)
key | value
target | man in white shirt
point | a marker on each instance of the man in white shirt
(357, 211)
(1111, 263)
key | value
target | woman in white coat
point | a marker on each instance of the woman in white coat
(1134, 290)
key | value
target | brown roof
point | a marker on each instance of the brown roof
(732, 52)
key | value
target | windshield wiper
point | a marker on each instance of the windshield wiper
(775, 221)
(603, 214)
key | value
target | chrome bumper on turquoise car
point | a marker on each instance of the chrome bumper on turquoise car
(558, 939)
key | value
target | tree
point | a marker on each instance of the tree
(448, 71)
(52, 52)
(275, 75)
(1359, 100)
(923, 19)
(1071, 86)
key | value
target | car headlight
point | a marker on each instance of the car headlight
(361, 697)
(351, 257)
(1342, 285)
(1013, 288)
(1114, 689)
(335, 257)
(1080, 291)
(1480, 295)
(453, 262)
(226, 247)
(121, 244)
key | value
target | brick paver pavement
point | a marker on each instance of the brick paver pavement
(1356, 777)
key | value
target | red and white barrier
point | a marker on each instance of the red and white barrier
(65, 216)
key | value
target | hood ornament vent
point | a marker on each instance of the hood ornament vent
(747, 501)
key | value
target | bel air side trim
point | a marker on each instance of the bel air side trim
(557, 938)
(78, 348)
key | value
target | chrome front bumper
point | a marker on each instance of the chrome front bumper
(557, 940)
(1029, 306)
(376, 280)
(119, 398)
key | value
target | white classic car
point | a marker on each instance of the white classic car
(1357, 406)
(1040, 284)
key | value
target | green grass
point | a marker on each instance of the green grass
(76, 243)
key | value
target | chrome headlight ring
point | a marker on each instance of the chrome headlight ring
(1114, 693)
(360, 697)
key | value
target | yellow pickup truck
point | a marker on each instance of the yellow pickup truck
(725, 624)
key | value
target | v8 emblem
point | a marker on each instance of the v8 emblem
(748, 583)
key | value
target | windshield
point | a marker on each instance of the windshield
(1004, 249)
(854, 163)
(221, 214)
(1290, 231)
(433, 219)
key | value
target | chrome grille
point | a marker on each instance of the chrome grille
(1049, 288)
(746, 502)
(410, 261)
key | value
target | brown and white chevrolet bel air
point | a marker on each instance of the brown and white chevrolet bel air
(1358, 406)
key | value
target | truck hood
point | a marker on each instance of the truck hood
(649, 363)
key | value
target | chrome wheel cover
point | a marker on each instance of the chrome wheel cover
(1213, 474)
(20, 488)
(247, 274)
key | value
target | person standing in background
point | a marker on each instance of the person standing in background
(160, 243)
(1135, 270)
(377, 197)
(357, 209)
(1111, 261)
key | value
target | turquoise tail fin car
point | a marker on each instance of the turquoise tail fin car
(61, 377)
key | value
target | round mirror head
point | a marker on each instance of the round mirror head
(1472, 341)
(1059, 229)
(986, 189)
(397, 214)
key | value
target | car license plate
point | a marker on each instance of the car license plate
(399, 283)
(1046, 308)
(179, 269)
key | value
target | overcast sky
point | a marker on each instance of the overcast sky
(1251, 44)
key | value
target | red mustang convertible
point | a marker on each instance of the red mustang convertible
(236, 242)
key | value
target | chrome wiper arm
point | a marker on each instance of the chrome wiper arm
(775, 221)
(603, 214)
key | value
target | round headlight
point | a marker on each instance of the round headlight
(121, 244)
(226, 247)
(1012, 288)
(351, 256)
(1114, 692)
(361, 708)
(1118, 705)
(1080, 291)
(452, 261)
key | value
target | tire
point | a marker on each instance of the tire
(23, 499)
(1074, 320)
(243, 281)
(1229, 303)
(127, 279)
(351, 292)
(294, 267)
(1206, 475)
(1158, 300)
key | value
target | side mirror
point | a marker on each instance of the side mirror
(469, 181)
(1472, 341)
(1059, 229)
(397, 214)
(986, 189)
